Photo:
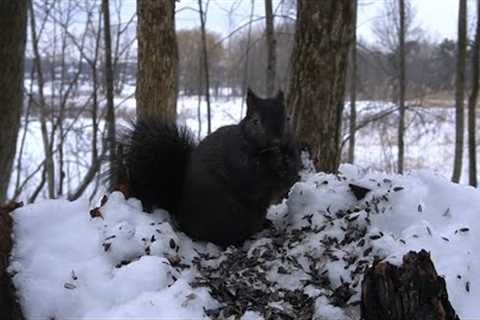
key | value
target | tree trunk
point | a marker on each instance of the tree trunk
(109, 86)
(9, 307)
(411, 291)
(401, 86)
(205, 66)
(316, 95)
(271, 50)
(472, 103)
(459, 90)
(13, 23)
(157, 59)
(353, 90)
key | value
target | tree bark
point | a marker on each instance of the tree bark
(411, 291)
(472, 104)
(205, 66)
(9, 307)
(156, 93)
(459, 90)
(402, 87)
(13, 23)
(109, 86)
(353, 90)
(271, 50)
(316, 94)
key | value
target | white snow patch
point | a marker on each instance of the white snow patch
(67, 264)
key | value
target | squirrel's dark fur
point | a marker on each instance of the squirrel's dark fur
(219, 190)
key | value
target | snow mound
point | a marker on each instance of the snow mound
(117, 262)
(70, 265)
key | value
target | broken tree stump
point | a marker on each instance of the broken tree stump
(412, 291)
(9, 307)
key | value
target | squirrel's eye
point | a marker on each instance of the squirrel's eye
(255, 122)
(289, 118)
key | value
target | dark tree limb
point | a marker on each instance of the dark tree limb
(13, 23)
(402, 88)
(411, 291)
(460, 91)
(9, 307)
(472, 104)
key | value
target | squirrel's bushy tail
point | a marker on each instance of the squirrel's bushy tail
(153, 160)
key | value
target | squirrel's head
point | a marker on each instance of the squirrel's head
(266, 123)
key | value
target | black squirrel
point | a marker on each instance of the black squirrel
(220, 189)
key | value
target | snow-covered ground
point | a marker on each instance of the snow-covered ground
(118, 262)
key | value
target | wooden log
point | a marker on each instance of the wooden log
(9, 306)
(412, 291)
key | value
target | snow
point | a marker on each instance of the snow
(119, 262)
(66, 263)
(325, 311)
(429, 213)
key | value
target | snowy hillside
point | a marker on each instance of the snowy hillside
(116, 261)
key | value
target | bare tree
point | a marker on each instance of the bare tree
(109, 85)
(353, 90)
(460, 90)
(401, 85)
(205, 62)
(65, 61)
(394, 32)
(157, 59)
(97, 156)
(247, 57)
(47, 138)
(52, 113)
(271, 48)
(322, 42)
(13, 23)
(472, 103)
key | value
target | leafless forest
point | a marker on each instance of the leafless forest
(76, 74)
(80, 85)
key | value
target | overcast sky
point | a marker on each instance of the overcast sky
(437, 17)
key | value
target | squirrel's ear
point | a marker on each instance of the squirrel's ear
(280, 96)
(251, 102)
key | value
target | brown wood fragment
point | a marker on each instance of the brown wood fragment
(96, 213)
(412, 291)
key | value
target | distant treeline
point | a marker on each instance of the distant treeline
(430, 66)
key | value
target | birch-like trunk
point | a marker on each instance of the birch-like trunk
(110, 118)
(353, 91)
